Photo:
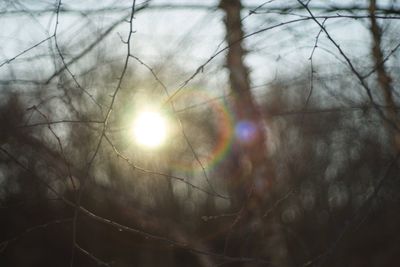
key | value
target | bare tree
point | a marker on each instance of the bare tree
(283, 131)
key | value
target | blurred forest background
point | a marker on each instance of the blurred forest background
(284, 141)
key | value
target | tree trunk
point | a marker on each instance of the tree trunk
(253, 179)
(250, 131)
(384, 79)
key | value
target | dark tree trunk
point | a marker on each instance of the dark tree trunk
(249, 124)
(384, 78)
(253, 180)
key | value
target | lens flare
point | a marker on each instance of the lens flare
(222, 118)
(150, 129)
(246, 131)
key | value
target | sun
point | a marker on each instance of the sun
(149, 129)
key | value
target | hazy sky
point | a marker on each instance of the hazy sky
(182, 37)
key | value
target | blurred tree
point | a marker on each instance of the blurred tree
(301, 170)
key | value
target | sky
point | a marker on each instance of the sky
(184, 38)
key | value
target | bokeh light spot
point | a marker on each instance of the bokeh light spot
(246, 131)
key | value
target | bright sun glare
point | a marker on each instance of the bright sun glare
(150, 129)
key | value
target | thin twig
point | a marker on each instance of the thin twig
(352, 68)
(5, 243)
